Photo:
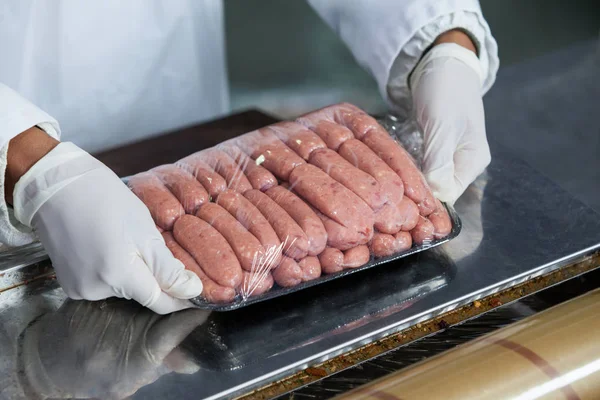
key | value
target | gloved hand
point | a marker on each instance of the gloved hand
(448, 106)
(104, 350)
(99, 235)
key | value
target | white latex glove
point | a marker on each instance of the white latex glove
(447, 96)
(103, 350)
(99, 235)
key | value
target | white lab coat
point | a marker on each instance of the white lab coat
(114, 71)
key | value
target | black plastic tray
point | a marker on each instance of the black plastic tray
(278, 291)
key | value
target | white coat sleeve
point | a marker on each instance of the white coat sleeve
(17, 115)
(388, 37)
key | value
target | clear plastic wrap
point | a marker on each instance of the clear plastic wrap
(292, 205)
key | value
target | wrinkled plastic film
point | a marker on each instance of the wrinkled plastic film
(293, 204)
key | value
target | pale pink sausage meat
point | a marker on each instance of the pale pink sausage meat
(298, 138)
(402, 163)
(288, 273)
(357, 256)
(288, 231)
(270, 152)
(410, 213)
(258, 176)
(164, 208)
(255, 283)
(311, 268)
(212, 181)
(211, 290)
(441, 221)
(332, 199)
(332, 260)
(245, 245)
(252, 219)
(185, 187)
(210, 250)
(226, 166)
(304, 216)
(359, 182)
(423, 233)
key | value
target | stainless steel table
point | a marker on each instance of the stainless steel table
(517, 224)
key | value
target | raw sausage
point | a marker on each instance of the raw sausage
(270, 152)
(340, 237)
(288, 273)
(211, 290)
(388, 218)
(357, 256)
(311, 268)
(384, 245)
(441, 221)
(304, 216)
(246, 246)
(163, 206)
(190, 193)
(332, 260)
(355, 119)
(288, 231)
(210, 250)
(402, 163)
(227, 168)
(253, 220)
(423, 233)
(358, 154)
(359, 182)
(332, 199)
(303, 141)
(331, 133)
(255, 283)
(410, 214)
(258, 176)
(212, 181)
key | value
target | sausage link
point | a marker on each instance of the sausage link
(226, 166)
(441, 221)
(304, 216)
(423, 233)
(210, 250)
(303, 141)
(258, 176)
(288, 273)
(246, 246)
(402, 163)
(331, 133)
(288, 231)
(332, 260)
(357, 256)
(190, 193)
(211, 290)
(359, 182)
(212, 181)
(311, 268)
(404, 240)
(361, 156)
(270, 152)
(353, 118)
(410, 214)
(340, 237)
(253, 220)
(256, 283)
(332, 199)
(384, 245)
(388, 219)
(164, 208)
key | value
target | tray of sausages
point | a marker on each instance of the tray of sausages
(293, 205)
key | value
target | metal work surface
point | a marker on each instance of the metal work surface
(516, 225)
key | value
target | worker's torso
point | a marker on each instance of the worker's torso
(114, 71)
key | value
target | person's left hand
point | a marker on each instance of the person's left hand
(448, 106)
(106, 349)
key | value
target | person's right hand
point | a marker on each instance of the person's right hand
(99, 235)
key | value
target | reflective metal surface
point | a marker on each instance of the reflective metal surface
(516, 225)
